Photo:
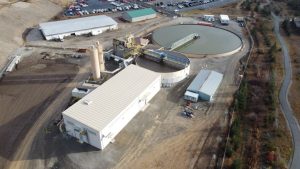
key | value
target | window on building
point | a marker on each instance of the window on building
(91, 132)
(70, 123)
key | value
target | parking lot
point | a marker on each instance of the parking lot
(87, 7)
(180, 6)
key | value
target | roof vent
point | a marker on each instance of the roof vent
(87, 102)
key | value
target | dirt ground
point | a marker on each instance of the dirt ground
(175, 142)
(158, 137)
(63, 3)
(26, 94)
(16, 17)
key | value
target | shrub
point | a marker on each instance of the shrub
(266, 11)
(257, 7)
(242, 97)
(229, 151)
(294, 4)
(235, 127)
(237, 164)
(285, 27)
(236, 141)
(270, 146)
(247, 5)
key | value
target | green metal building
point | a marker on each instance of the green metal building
(139, 15)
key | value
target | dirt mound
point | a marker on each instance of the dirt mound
(62, 2)
(17, 17)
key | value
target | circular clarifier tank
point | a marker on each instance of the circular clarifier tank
(211, 41)
(173, 68)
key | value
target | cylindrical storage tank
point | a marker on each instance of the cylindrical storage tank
(175, 67)
(100, 56)
(95, 62)
(169, 79)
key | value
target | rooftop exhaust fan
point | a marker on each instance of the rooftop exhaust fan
(87, 102)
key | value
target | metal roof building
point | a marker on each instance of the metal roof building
(99, 116)
(139, 15)
(93, 25)
(206, 84)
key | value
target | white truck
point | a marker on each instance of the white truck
(224, 19)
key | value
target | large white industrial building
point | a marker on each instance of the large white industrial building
(99, 116)
(93, 25)
(204, 86)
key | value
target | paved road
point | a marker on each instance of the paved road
(23, 156)
(283, 98)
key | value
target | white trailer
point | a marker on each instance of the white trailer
(240, 19)
(224, 19)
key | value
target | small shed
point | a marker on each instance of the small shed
(139, 15)
(240, 19)
(191, 96)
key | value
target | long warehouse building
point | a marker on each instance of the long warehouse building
(99, 116)
(93, 25)
(204, 86)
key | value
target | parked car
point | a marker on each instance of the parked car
(180, 6)
(135, 6)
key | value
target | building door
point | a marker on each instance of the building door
(76, 132)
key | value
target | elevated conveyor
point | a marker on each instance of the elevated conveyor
(183, 41)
